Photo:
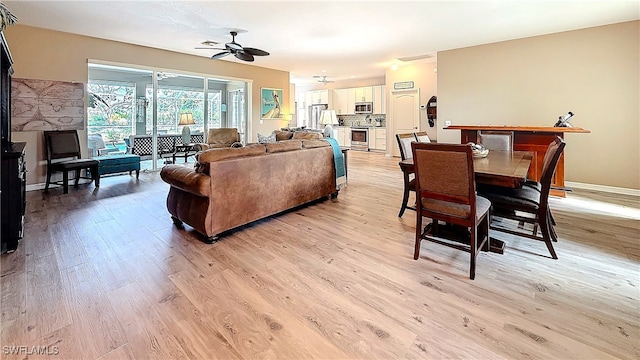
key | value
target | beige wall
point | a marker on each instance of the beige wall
(594, 72)
(53, 55)
(422, 73)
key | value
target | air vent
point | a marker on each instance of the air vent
(417, 57)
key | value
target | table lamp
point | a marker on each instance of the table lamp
(186, 119)
(328, 118)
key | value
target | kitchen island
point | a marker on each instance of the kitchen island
(527, 138)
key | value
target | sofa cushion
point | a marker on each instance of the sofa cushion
(306, 135)
(283, 135)
(265, 139)
(282, 146)
(314, 143)
(213, 155)
(186, 179)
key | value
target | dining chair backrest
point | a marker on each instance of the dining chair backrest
(496, 140)
(404, 143)
(62, 144)
(422, 136)
(549, 163)
(444, 173)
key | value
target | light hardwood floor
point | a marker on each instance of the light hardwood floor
(103, 274)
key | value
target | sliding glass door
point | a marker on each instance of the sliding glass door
(148, 112)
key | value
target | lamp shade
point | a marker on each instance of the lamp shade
(186, 119)
(328, 117)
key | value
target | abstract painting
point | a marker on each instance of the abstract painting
(38, 105)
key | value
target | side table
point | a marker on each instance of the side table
(185, 150)
(344, 153)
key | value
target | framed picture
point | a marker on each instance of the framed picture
(271, 103)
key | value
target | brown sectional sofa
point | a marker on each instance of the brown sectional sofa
(234, 186)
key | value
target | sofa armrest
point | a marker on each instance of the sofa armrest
(187, 179)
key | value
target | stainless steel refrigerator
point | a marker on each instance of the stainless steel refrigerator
(314, 115)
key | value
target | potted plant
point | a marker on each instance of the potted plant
(6, 17)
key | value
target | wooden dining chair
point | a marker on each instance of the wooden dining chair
(404, 143)
(422, 136)
(446, 191)
(529, 204)
(63, 155)
(496, 140)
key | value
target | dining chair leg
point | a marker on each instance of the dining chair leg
(76, 181)
(552, 229)
(405, 195)
(405, 199)
(65, 182)
(416, 251)
(46, 185)
(546, 236)
(474, 248)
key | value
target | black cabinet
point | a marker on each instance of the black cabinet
(13, 177)
(13, 182)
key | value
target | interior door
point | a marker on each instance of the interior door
(405, 114)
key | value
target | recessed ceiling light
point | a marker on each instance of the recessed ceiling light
(324, 70)
(394, 67)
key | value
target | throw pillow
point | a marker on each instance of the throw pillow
(262, 139)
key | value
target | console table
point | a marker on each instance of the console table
(527, 138)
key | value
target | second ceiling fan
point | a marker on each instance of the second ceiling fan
(240, 52)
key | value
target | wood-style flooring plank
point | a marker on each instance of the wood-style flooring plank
(103, 274)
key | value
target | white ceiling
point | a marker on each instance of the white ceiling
(357, 39)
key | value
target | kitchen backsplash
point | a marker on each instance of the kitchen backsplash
(362, 120)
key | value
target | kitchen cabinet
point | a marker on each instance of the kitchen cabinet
(378, 139)
(351, 100)
(344, 136)
(340, 103)
(379, 99)
(314, 97)
(364, 94)
(14, 180)
(301, 111)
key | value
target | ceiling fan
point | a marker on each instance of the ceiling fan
(240, 52)
(322, 79)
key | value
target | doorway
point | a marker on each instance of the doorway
(405, 114)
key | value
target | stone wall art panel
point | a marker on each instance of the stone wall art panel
(38, 105)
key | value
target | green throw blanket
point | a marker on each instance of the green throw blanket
(338, 160)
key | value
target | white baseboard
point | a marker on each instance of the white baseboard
(604, 188)
(34, 187)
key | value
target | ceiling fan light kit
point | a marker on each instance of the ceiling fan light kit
(322, 79)
(237, 50)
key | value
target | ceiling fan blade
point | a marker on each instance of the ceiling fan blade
(220, 54)
(244, 56)
(255, 52)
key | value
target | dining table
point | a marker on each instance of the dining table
(501, 168)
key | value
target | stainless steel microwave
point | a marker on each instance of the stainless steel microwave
(363, 108)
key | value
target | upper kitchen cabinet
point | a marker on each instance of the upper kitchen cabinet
(301, 108)
(351, 100)
(364, 94)
(340, 103)
(314, 97)
(379, 100)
